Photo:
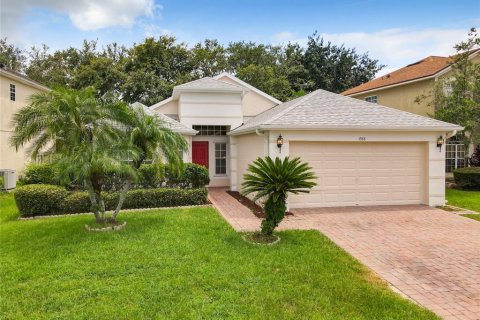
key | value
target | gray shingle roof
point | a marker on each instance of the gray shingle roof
(326, 110)
(209, 83)
(173, 124)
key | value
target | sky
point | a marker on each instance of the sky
(396, 33)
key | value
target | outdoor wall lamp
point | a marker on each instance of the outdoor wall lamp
(440, 143)
(280, 143)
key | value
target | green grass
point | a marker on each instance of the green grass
(464, 199)
(472, 216)
(181, 264)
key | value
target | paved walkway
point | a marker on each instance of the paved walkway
(430, 255)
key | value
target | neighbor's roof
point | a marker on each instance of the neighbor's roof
(15, 75)
(423, 69)
(173, 124)
(323, 110)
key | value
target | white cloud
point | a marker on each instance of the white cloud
(394, 47)
(84, 14)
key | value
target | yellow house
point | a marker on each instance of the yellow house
(15, 90)
(400, 89)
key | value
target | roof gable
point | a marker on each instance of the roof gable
(207, 84)
(424, 69)
(246, 85)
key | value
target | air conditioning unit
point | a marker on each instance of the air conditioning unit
(9, 179)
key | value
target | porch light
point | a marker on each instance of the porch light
(440, 143)
(280, 142)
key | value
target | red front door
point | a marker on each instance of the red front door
(200, 153)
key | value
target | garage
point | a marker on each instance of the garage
(362, 174)
(363, 154)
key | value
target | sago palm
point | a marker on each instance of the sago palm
(273, 180)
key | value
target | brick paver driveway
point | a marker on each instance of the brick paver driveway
(430, 255)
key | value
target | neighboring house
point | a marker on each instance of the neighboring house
(15, 89)
(401, 88)
(362, 153)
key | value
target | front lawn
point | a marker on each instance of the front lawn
(181, 264)
(464, 199)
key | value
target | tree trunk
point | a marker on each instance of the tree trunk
(101, 207)
(123, 195)
(93, 202)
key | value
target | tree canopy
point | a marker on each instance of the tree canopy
(147, 71)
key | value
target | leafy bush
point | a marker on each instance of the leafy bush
(76, 202)
(39, 199)
(475, 159)
(2, 182)
(43, 173)
(193, 176)
(151, 176)
(467, 178)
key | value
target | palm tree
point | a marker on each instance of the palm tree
(82, 132)
(154, 140)
(274, 180)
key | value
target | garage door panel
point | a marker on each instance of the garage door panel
(362, 173)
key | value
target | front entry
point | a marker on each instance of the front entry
(200, 153)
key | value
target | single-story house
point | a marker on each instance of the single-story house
(362, 153)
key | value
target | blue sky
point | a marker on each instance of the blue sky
(395, 32)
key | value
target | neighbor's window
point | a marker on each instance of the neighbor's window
(12, 92)
(211, 130)
(220, 158)
(372, 99)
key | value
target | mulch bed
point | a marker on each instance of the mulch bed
(255, 208)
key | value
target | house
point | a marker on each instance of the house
(362, 153)
(401, 88)
(15, 89)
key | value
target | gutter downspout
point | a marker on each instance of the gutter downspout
(267, 142)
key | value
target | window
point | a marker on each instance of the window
(12, 92)
(211, 130)
(372, 99)
(220, 158)
(454, 153)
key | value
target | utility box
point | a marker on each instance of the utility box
(9, 179)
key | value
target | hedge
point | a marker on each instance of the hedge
(35, 199)
(467, 178)
(38, 199)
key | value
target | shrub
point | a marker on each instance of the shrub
(164, 197)
(39, 199)
(76, 202)
(475, 159)
(43, 173)
(2, 182)
(151, 176)
(467, 178)
(193, 176)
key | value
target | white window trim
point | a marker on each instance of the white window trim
(215, 157)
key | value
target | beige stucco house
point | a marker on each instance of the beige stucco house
(15, 89)
(401, 88)
(362, 153)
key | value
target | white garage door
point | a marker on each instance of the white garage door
(361, 174)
